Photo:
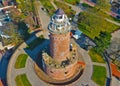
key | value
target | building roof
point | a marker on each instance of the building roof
(115, 72)
(1, 84)
(59, 12)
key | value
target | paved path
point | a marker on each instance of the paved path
(87, 74)
(115, 82)
(44, 17)
(99, 64)
(52, 2)
(116, 34)
(111, 21)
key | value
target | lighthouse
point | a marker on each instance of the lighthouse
(59, 28)
(61, 62)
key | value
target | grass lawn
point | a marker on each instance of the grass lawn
(99, 75)
(21, 80)
(48, 6)
(96, 57)
(74, 2)
(94, 27)
(21, 60)
(35, 42)
(67, 9)
(100, 12)
(26, 6)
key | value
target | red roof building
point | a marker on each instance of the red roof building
(115, 72)
(1, 84)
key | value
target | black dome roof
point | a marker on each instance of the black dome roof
(59, 12)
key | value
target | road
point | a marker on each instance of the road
(3, 66)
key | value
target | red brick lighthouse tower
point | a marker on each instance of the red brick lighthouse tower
(59, 28)
(61, 63)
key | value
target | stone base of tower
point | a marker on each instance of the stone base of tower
(61, 73)
(60, 70)
(54, 73)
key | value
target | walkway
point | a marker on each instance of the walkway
(111, 21)
(116, 34)
(44, 17)
(99, 64)
(52, 2)
(6, 7)
(115, 82)
(87, 74)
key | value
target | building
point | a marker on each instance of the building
(115, 8)
(61, 63)
(7, 2)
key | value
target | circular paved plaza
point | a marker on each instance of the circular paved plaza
(32, 77)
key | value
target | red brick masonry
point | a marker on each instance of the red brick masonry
(62, 73)
(59, 46)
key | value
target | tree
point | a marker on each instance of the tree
(103, 41)
(103, 4)
(11, 31)
(23, 30)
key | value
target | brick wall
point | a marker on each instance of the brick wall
(62, 73)
(59, 46)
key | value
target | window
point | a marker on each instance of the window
(60, 17)
(66, 72)
(51, 71)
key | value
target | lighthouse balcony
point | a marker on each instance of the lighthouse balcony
(59, 18)
(59, 29)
